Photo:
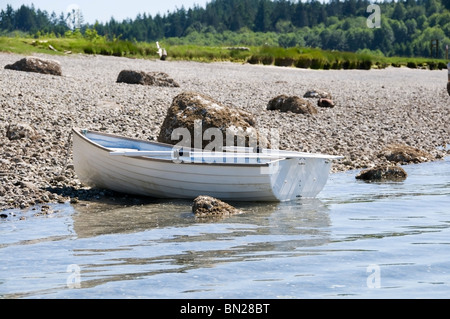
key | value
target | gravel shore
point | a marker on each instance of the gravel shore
(373, 109)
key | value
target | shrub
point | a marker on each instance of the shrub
(303, 62)
(253, 59)
(317, 63)
(286, 61)
(432, 65)
(267, 60)
(346, 65)
(365, 65)
(442, 65)
(336, 65)
(88, 50)
(381, 65)
(105, 51)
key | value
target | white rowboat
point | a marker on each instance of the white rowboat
(159, 170)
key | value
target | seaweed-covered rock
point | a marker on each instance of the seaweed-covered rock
(199, 113)
(276, 103)
(405, 154)
(382, 173)
(146, 78)
(37, 65)
(19, 130)
(292, 104)
(207, 206)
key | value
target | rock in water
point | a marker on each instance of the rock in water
(146, 78)
(207, 206)
(292, 104)
(381, 173)
(201, 121)
(38, 65)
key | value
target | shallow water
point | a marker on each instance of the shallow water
(356, 240)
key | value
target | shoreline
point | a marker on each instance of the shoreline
(374, 108)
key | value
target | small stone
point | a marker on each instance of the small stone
(293, 104)
(60, 178)
(325, 103)
(317, 94)
(23, 205)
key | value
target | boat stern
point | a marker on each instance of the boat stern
(300, 177)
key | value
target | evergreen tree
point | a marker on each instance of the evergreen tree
(7, 19)
(399, 11)
(300, 18)
(262, 20)
(25, 19)
(446, 4)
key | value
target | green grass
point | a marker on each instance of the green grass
(206, 54)
(312, 58)
(77, 45)
(267, 55)
(21, 46)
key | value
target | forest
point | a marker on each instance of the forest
(406, 26)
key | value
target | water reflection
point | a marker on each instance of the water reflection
(165, 237)
(94, 219)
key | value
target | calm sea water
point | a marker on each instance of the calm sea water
(356, 240)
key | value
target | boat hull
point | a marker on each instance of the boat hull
(274, 180)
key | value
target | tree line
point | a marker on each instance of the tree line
(407, 26)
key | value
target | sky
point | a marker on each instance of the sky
(103, 10)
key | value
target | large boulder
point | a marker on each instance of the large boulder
(38, 65)
(146, 78)
(293, 104)
(207, 207)
(383, 173)
(404, 154)
(207, 121)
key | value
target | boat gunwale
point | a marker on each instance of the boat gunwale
(79, 133)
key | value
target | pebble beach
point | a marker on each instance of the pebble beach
(373, 109)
